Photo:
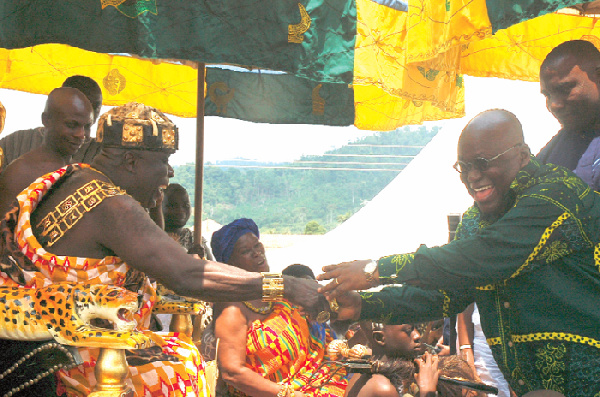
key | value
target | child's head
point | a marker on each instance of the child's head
(402, 340)
(176, 206)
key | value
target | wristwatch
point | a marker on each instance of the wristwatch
(369, 270)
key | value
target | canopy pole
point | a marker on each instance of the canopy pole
(199, 156)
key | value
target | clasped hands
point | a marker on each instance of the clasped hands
(339, 296)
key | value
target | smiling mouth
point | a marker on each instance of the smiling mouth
(481, 189)
(480, 194)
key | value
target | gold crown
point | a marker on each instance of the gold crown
(137, 126)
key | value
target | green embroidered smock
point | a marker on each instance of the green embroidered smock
(534, 273)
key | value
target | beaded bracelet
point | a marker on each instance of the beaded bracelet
(286, 390)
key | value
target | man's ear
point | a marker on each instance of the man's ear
(130, 162)
(525, 155)
(45, 119)
(379, 338)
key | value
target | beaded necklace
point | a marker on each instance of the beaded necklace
(259, 310)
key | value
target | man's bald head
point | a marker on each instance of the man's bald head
(67, 119)
(494, 124)
(66, 97)
(491, 152)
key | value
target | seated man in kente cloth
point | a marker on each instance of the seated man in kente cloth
(527, 253)
(88, 224)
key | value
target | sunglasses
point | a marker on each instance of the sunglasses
(480, 164)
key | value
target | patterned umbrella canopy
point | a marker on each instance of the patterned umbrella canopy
(375, 64)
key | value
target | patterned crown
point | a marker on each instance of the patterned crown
(137, 126)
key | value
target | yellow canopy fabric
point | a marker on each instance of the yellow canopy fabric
(459, 38)
(388, 91)
(408, 66)
(168, 86)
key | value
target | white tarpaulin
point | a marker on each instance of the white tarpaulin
(413, 209)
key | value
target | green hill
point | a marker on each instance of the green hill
(311, 195)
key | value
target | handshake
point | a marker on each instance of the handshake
(337, 300)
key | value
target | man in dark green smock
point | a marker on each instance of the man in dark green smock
(527, 253)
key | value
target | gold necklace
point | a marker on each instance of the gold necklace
(102, 173)
(259, 310)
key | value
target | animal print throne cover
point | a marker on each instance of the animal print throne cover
(25, 264)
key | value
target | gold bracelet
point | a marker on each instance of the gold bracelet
(283, 391)
(272, 287)
(286, 390)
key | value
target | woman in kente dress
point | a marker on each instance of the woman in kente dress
(267, 349)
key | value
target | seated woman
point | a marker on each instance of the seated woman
(267, 349)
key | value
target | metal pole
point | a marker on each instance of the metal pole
(199, 156)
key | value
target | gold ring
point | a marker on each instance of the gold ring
(333, 305)
(335, 280)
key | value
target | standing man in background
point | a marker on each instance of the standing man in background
(569, 79)
(20, 142)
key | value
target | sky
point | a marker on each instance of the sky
(227, 139)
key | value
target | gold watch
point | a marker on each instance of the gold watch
(369, 270)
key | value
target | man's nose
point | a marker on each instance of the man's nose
(473, 174)
(555, 104)
(81, 132)
(416, 335)
(171, 171)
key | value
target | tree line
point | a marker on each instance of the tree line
(311, 195)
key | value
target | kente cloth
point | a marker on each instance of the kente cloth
(285, 348)
(534, 273)
(176, 371)
(223, 240)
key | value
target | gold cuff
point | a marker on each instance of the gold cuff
(272, 287)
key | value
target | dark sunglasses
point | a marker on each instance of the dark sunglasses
(480, 164)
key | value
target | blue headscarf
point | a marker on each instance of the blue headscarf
(224, 239)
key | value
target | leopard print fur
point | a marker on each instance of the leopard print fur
(63, 311)
(165, 306)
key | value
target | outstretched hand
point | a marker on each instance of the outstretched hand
(349, 306)
(346, 276)
(304, 292)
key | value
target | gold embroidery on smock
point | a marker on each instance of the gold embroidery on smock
(402, 260)
(446, 304)
(555, 251)
(597, 256)
(543, 336)
(547, 233)
(549, 361)
(69, 211)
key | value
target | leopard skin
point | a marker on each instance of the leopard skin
(165, 306)
(63, 311)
